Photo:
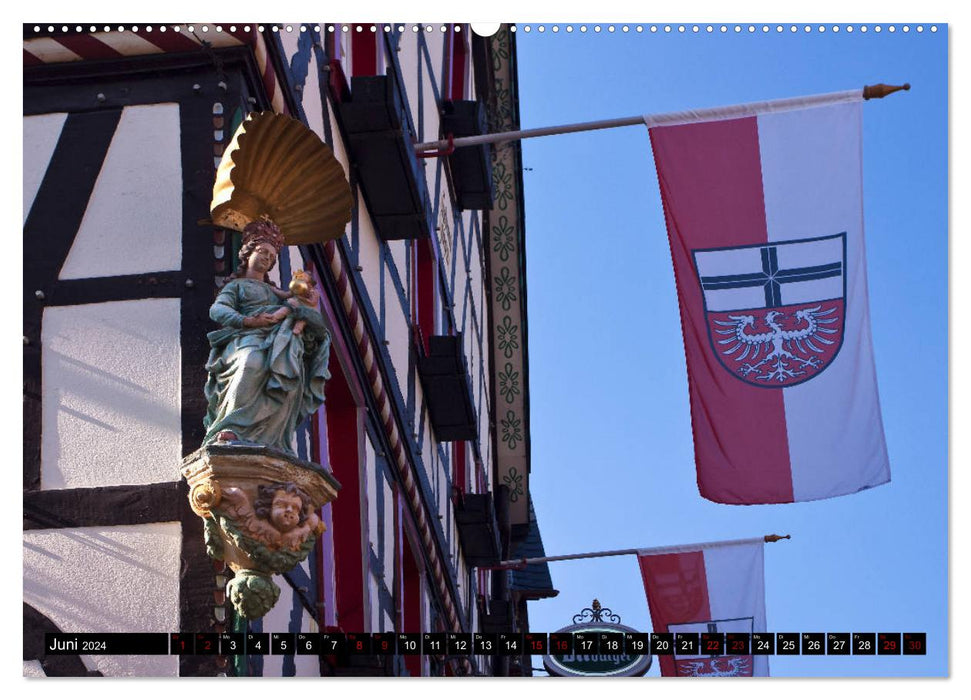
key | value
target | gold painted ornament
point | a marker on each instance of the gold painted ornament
(277, 168)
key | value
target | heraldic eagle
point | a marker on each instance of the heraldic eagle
(781, 344)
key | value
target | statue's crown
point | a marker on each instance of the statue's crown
(263, 230)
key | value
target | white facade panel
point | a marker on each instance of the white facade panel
(108, 579)
(400, 252)
(41, 133)
(444, 229)
(475, 264)
(369, 253)
(111, 394)
(469, 340)
(432, 80)
(442, 490)
(296, 261)
(311, 102)
(387, 521)
(371, 479)
(33, 669)
(340, 153)
(408, 57)
(429, 453)
(289, 615)
(133, 222)
(396, 332)
(375, 603)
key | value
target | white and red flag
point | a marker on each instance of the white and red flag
(764, 211)
(717, 588)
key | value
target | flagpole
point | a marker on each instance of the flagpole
(671, 549)
(869, 92)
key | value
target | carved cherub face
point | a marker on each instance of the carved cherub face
(285, 511)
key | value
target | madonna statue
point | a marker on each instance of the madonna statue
(268, 363)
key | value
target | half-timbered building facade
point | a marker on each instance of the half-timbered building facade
(426, 423)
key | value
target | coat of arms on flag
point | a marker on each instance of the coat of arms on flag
(708, 665)
(775, 311)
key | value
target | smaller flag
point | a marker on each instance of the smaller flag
(717, 588)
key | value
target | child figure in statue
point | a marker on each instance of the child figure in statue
(302, 292)
(265, 376)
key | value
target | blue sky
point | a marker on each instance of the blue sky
(612, 456)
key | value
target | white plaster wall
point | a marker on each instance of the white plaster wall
(445, 230)
(484, 406)
(388, 521)
(471, 81)
(463, 572)
(371, 489)
(475, 266)
(451, 533)
(111, 394)
(340, 152)
(430, 107)
(295, 263)
(488, 462)
(108, 579)
(442, 491)
(279, 620)
(469, 341)
(419, 398)
(428, 444)
(459, 279)
(133, 222)
(289, 41)
(344, 49)
(408, 62)
(296, 260)
(426, 613)
(400, 252)
(369, 253)
(33, 669)
(396, 332)
(375, 604)
(311, 97)
(41, 133)
(473, 358)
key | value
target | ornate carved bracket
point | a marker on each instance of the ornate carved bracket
(260, 510)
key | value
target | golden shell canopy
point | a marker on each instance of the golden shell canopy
(278, 168)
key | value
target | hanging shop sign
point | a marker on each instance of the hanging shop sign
(595, 621)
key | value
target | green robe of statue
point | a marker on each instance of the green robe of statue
(263, 382)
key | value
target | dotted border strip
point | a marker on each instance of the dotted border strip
(528, 28)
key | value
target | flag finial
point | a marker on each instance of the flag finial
(880, 90)
(776, 538)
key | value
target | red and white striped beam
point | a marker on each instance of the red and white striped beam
(72, 47)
